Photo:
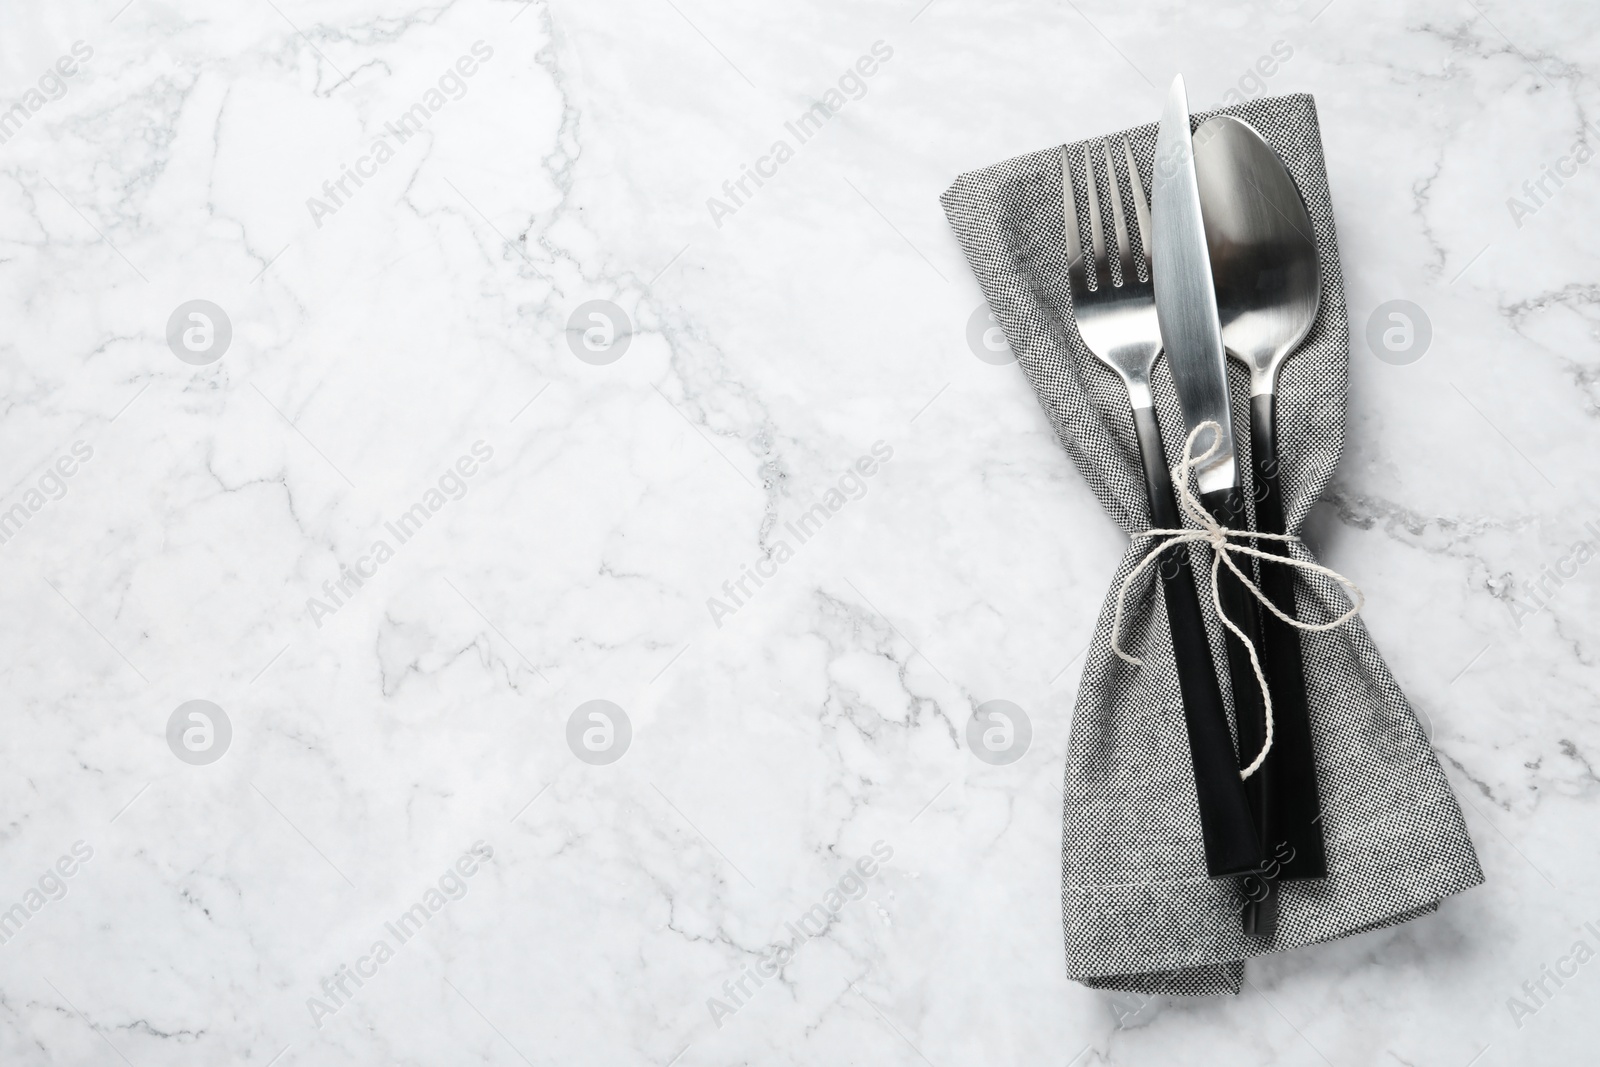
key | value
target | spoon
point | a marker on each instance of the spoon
(1268, 285)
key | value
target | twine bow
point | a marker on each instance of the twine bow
(1216, 535)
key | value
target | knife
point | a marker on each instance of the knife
(1191, 334)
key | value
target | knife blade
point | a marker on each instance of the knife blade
(1191, 334)
(1186, 298)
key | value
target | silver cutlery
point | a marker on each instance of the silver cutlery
(1118, 324)
(1191, 333)
(1268, 285)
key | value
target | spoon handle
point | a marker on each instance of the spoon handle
(1296, 827)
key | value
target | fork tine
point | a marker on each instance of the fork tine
(1099, 273)
(1141, 207)
(1075, 278)
(1119, 218)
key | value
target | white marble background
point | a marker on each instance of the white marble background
(829, 312)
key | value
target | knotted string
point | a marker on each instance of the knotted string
(1216, 535)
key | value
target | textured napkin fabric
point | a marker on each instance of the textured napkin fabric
(1140, 913)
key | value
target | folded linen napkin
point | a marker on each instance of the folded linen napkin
(1140, 913)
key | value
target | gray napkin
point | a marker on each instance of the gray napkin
(1140, 913)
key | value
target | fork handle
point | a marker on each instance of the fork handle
(1227, 827)
(1294, 779)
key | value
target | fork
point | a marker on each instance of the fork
(1117, 321)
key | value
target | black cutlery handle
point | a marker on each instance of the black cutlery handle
(1227, 825)
(1227, 506)
(1295, 801)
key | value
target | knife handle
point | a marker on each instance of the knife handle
(1227, 825)
(1227, 506)
(1295, 798)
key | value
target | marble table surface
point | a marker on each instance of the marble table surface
(508, 512)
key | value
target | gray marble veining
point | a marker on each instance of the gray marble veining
(399, 502)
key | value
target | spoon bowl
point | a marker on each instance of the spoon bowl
(1263, 248)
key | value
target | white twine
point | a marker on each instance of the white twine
(1216, 535)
